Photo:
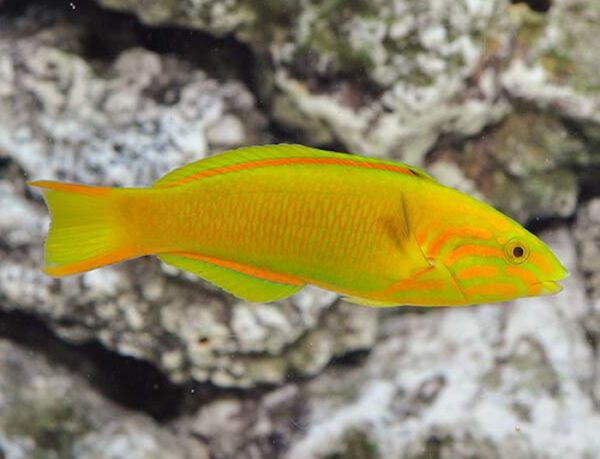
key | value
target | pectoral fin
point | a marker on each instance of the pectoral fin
(409, 258)
(246, 282)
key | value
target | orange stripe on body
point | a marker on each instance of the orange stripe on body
(473, 272)
(500, 288)
(414, 283)
(245, 269)
(479, 233)
(286, 162)
(468, 250)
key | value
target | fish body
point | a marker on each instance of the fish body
(262, 222)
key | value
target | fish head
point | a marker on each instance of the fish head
(493, 258)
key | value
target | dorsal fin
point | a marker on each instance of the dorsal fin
(265, 155)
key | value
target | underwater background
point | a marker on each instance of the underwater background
(499, 99)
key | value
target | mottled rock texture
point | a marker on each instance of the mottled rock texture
(46, 412)
(587, 234)
(393, 78)
(510, 380)
(127, 122)
(452, 56)
(500, 99)
(383, 77)
(527, 165)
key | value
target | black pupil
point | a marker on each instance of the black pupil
(518, 252)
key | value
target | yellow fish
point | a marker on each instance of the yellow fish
(261, 222)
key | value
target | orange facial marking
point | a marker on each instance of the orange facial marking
(422, 236)
(500, 288)
(479, 233)
(413, 285)
(473, 272)
(245, 269)
(286, 162)
(468, 250)
(531, 282)
(500, 223)
(541, 262)
(523, 274)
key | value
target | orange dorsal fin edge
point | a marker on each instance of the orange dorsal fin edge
(247, 158)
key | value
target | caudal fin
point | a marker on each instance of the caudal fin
(85, 232)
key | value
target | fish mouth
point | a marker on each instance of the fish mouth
(551, 287)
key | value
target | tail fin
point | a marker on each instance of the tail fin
(84, 232)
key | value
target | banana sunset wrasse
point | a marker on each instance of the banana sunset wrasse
(261, 222)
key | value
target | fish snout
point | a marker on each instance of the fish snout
(551, 287)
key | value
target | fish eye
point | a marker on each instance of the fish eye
(516, 251)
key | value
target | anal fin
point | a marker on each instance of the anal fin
(246, 282)
(371, 303)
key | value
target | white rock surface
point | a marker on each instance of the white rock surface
(506, 380)
(401, 79)
(127, 124)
